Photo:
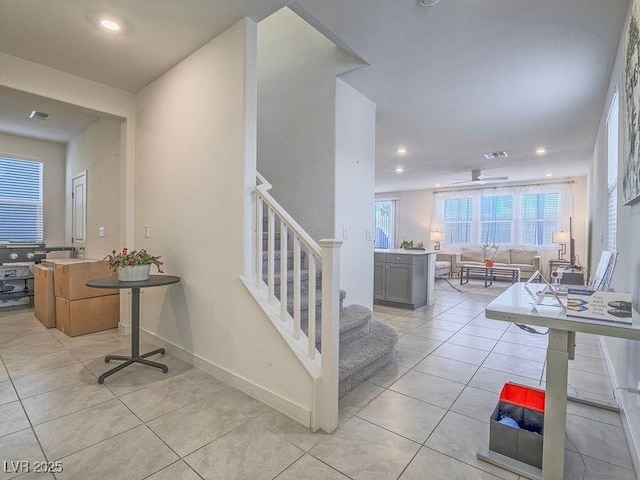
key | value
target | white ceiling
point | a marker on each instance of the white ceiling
(464, 77)
(451, 81)
(66, 121)
(63, 34)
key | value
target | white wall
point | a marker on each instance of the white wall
(196, 168)
(413, 215)
(624, 355)
(297, 67)
(52, 156)
(354, 189)
(97, 151)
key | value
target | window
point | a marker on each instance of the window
(612, 173)
(540, 215)
(20, 201)
(457, 220)
(385, 212)
(496, 219)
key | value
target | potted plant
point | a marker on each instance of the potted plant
(408, 245)
(133, 265)
(490, 251)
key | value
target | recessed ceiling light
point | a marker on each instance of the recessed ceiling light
(541, 151)
(401, 150)
(399, 170)
(110, 24)
(548, 175)
(437, 184)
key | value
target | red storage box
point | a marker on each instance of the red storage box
(522, 396)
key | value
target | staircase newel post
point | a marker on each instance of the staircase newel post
(327, 392)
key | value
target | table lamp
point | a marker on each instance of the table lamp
(436, 237)
(561, 238)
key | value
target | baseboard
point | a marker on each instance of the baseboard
(124, 329)
(632, 442)
(285, 406)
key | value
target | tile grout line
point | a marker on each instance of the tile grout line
(448, 410)
(33, 432)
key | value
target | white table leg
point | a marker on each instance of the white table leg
(555, 408)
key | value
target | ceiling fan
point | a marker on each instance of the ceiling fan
(478, 177)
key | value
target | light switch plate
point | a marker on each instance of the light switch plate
(101, 232)
(146, 231)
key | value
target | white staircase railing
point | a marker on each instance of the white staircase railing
(323, 257)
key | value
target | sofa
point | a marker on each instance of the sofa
(528, 261)
(446, 264)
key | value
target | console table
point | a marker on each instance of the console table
(516, 305)
(135, 286)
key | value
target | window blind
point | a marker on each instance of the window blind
(612, 173)
(457, 218)
(384, 222)
(496, 217)
(21, 212)
(540, 215)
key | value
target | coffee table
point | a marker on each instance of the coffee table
(489, 273)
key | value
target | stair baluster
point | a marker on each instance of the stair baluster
(311, 334)
(271, 255)
(259, 240)
(284, 255)
(296, 287)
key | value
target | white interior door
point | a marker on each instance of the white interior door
(79, 208)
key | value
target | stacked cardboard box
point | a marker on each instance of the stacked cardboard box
(81, 309)
(44, 298)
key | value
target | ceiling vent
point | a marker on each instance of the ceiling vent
(39, 115)
(492, 155)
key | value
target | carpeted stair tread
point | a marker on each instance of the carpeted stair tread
(367, 355)
(354, 322)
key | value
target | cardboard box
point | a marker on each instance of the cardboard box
(599, 305)
(88, 315)
(44, 299)
(71, 277)
(52, 262)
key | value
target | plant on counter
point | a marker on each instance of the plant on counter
(133, 258)
(408, 245)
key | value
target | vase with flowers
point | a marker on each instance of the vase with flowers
(133, 265)
(490, 251)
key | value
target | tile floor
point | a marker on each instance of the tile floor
(421, 418)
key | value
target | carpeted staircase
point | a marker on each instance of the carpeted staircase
(366, 345)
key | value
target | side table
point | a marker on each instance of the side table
(135, 286)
